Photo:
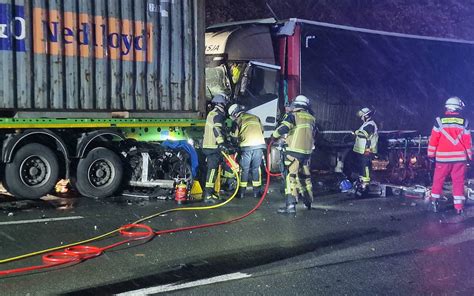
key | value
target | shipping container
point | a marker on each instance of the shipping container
(88, 58)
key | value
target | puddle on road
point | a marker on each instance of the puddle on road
(70, 200)
(11, 205)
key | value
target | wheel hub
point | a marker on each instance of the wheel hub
(101, 173)
(34, 171)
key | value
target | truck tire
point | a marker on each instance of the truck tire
(32, 173)
(99, 174)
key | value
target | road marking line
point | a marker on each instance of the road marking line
(174, 287)
(41, 220)
(7, 236)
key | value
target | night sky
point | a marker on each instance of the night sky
(440, 18)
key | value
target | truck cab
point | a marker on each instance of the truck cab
(240, 63)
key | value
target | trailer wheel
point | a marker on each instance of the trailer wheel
(32, 173)
(99, 175)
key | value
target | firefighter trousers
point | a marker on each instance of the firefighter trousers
(250, 162)
(213, 160)
(298, 177)
(457, 170)
(364, 167)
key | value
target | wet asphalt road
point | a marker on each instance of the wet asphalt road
(350, 246)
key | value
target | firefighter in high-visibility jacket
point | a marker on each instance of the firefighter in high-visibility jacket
(213, 144)
(248, 132)
(365, 146)
(299, 124)
(450, 145)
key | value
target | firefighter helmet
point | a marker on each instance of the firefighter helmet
(365, 113)
(219, 99)
(454, 104)
(235, 109)
(300, 101)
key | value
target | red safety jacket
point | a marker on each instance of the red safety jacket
(450, 139)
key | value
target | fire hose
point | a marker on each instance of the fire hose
(77, 252)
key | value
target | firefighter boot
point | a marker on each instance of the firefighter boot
(257, 192)
(241, 193)
(307, 200)
(210, 197)
(289, 207)
(361, 190)
(459, 209)
(435, 205)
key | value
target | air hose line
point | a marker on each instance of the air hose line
(77, 252)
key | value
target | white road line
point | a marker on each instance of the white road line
(7, 236)
(174, 287)
(41, 220)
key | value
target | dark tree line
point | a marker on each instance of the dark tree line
(441, 18)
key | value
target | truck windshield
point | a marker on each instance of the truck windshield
(217, 82)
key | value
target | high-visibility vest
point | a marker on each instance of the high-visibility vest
(213, 131)
(300, 137)
(366, 141)
(249, 131)
(450, 139)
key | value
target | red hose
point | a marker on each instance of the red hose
(267, 184)
(84, 252)
(133, 232)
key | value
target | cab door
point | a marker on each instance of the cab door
(258, 92)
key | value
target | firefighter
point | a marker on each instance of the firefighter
(213, 144)
(299, 124)
(365, 146)
(248, 132)
(450, 145)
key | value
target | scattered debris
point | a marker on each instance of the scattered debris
(62, 186)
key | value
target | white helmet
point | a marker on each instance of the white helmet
(454, 104)
(235, 109)
(219, 99)
(365, 113)
(300, 101)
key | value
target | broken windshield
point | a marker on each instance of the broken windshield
(217, 82)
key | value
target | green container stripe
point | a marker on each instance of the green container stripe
(146, 134)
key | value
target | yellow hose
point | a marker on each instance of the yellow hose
(234, 171)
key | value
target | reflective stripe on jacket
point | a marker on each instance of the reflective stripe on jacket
(213, 135)
(300, 127)
(450, 139)
(367, 138)
(249, 131)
